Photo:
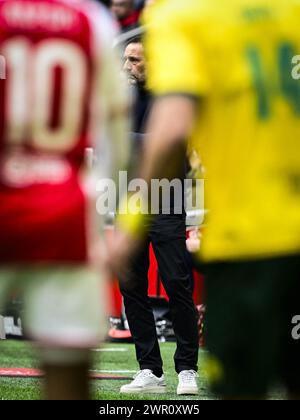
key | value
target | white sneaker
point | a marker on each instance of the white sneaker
(187, 383)
(145, 382)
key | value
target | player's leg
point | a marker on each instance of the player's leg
(66, 374)
(242, 327)
(64, 313)
(290, 342)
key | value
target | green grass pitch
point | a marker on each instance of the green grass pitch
(15, 353)
(20, 354)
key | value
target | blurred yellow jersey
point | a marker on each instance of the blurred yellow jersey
(239, 58)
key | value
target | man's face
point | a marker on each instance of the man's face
(121, 8)
(134, 63)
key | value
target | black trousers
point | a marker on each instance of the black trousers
(167, 235)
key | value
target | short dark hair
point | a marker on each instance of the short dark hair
(138, 39)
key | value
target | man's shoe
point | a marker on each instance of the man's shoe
(187, 383)
(145, 382)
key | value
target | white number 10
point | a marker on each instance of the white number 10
(30, 87)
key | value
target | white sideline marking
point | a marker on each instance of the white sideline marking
(113, 371)
(111, 349)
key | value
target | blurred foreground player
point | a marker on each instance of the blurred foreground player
(222, 72)
(62, 85)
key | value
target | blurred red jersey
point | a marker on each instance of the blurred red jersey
(52, 52)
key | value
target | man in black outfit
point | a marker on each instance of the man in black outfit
(167, 235)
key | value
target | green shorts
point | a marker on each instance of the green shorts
(250, 307)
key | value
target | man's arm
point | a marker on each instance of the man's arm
(170, 52)
(167, 136)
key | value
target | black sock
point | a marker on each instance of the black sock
(157, 372)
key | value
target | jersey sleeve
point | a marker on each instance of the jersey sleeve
(176, 58)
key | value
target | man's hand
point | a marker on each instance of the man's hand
(193, 242)
(121, 248)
